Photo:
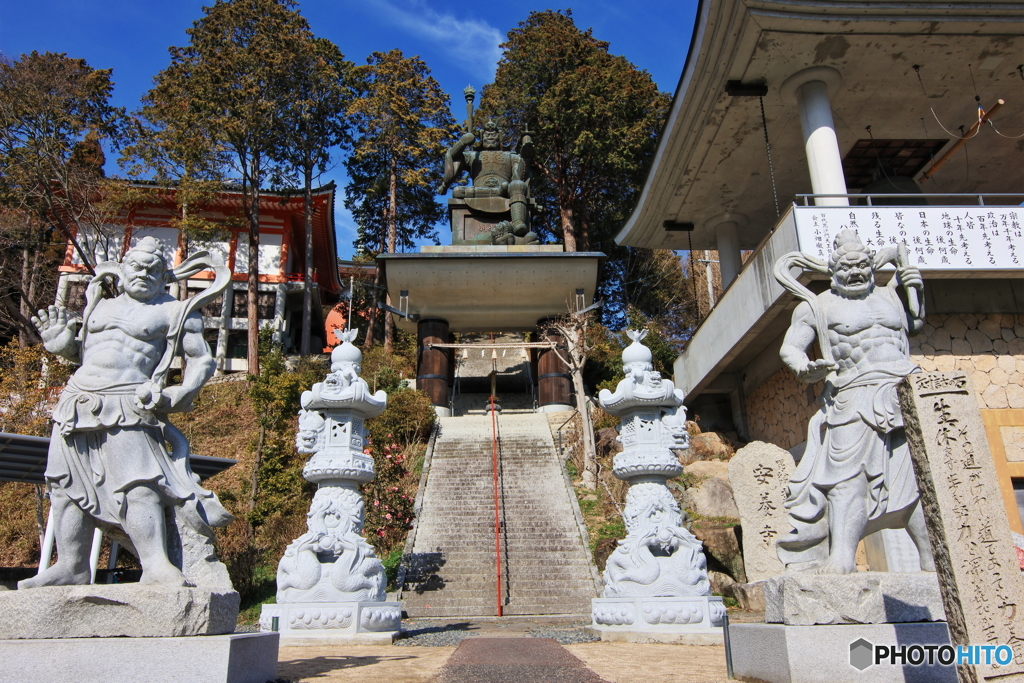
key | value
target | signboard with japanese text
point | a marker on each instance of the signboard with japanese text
(937, 237)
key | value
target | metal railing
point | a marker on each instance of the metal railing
(497, 515)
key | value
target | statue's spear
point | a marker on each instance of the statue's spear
(470, 94)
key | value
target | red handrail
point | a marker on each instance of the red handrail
(497, 519)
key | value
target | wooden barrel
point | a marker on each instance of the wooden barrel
(433, 371)
(554, 384)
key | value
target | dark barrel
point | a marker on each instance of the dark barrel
(433, 371)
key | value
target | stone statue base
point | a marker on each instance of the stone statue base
(691, 620)
(803, 599)
(777, 653)
(334, 623)
(106, 611)
(232, 658)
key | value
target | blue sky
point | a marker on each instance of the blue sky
(458, 40)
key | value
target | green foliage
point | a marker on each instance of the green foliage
(662, 348)
(54, 115)
(388, 501)
(275, 394)
(30, 380)
(408, 419)
(594, 117)
(384, 370)
(392, 561)
(230, 88)
(402, 124)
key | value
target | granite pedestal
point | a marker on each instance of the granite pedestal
(335, 623)
(231, 658)
(690, 620)
(780, 653)
(814, 619)
(103, 611)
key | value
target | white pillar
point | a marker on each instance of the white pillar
(811, 88)
(728, 252)
(94, 555)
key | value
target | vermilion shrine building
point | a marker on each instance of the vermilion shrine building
(282, 264)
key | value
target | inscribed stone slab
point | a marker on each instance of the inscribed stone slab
(982, 588)
(758, 473)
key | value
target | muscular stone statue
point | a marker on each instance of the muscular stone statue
(855, 476)
(108, 465)
(495, 173)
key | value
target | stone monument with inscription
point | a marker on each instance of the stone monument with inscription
(330, 584)
(655, 582)
(981, 583)
(758, 473)
(855, 478)
(116, 463)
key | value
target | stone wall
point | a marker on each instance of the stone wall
(990, 348)
(779, 409)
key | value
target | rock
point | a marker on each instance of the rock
(722, 548)
(606, 443)
(713, 498)
(749, 596)
(721, 583)
(706, 469)
(107, 611)
(805, 599)
(710, 446)
(758, 474)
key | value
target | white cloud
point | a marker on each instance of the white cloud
(469, 43)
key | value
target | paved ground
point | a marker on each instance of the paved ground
(608, 662)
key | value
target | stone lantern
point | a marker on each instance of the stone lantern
(656, 582)
(330, 584)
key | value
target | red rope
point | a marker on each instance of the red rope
(497, 519)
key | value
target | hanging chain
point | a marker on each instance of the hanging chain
(768, 149)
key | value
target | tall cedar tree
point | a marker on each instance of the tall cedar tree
(54, 111)
(172, 145)
(314, 123)
(402, 125)
(595, 120)
(233, 79)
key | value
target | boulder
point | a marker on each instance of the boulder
(713, 498)
(705, 469)
(722, 549)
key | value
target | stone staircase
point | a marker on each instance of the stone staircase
(545, 565)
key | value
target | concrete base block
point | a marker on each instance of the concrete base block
(555, 408)
(777, 653)
(335, 623)
(660, 619)
(805, 599)
(231, 658)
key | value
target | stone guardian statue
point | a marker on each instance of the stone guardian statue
(108, 464)
(855, 476)
(330, 583)
(496, 207)
(656, 580)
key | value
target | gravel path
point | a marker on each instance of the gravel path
(440, 633)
